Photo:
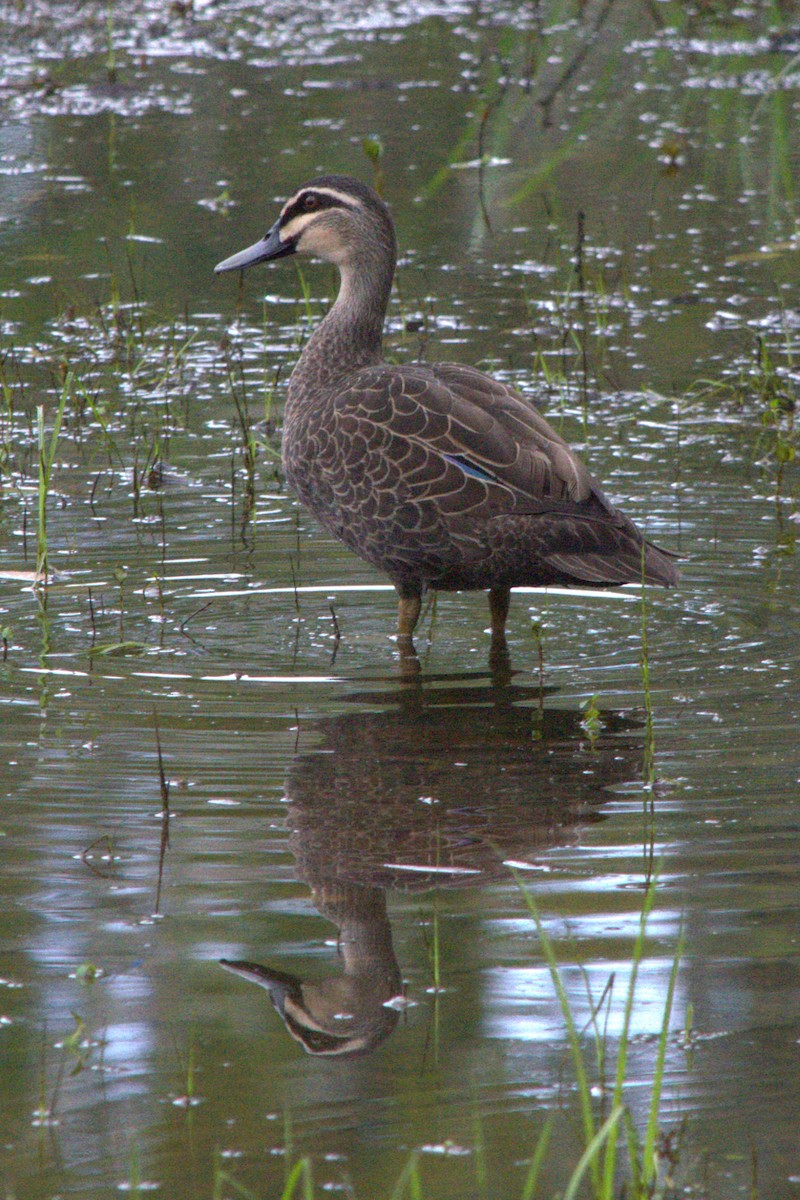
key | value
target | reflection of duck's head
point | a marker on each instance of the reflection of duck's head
(344, 1015)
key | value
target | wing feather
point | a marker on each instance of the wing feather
(440, 474)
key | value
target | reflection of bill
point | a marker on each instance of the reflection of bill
(343, 1014)
(443, 790)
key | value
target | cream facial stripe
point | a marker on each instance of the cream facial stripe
(294, 218)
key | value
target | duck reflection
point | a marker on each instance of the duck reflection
(345, 1014)
(444, 788)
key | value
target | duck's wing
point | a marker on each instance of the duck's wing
(443, 463)
(503, 433)
(453, 416)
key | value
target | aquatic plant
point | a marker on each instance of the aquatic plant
(374, 149)
(649, 759)
(47, 454)
(604, 1134)
(763, 390)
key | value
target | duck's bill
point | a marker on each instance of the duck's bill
(271, 246)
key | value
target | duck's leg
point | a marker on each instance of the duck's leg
(499, 660)
(407, 616)
(499, 600)
(408, 610)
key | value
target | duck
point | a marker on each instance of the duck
(439, 475)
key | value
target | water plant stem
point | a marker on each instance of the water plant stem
(648, 766)
(584, 1091)
(47, 453)
(542, 1142)
(300, 1170)
(609, 1163)
(606, 1133)
(408, 1183)
(643, 1161)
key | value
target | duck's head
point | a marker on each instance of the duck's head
(332, 217)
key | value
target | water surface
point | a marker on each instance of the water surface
(354, 837)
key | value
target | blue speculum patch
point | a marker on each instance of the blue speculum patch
(469, 467)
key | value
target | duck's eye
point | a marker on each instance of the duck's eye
(310, 202)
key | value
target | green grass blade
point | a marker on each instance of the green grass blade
(223, 1179)
(479, 1154)
(65, 393)
(584, 1092)
(532, 1178)
(622, 1053)
(634, 1155)
(648, 1155)
(47, 455)
(408, 1182)
(301, 1169)
(591, 1152)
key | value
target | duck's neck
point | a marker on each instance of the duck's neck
(351, 334)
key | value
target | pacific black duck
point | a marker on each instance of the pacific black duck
(435, 473)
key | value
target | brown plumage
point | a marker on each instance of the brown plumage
(439, 475)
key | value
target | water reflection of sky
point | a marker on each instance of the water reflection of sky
(520, 1002)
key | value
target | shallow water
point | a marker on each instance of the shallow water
(311, 788)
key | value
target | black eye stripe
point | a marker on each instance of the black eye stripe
(323, 200)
